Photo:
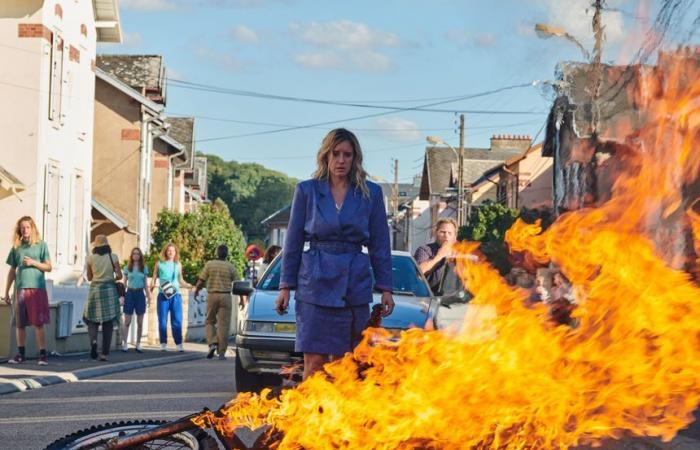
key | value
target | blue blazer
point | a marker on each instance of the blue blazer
(331, 278)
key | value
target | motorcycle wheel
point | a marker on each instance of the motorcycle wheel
(97, 436)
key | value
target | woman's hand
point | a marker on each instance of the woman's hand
(387, 303)
(282, 302)
(7, 299)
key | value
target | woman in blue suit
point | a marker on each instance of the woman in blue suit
(337, 212)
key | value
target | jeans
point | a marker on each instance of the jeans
(174, 306)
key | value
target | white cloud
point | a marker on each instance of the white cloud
(463, 39)
(150, 5)
(320, 60)
(359, 60)
(242, 33)
(399, 129)
(576, 16)
(243, 3)
(225, 60)
(344, 45)
(344, 34)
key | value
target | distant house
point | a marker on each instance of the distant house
(276, 224)
(182, 130)
(401, 212)
(523, 181)
(196, 184)
(46, 121)
(439, 185)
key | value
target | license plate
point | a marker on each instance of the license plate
(285, 327)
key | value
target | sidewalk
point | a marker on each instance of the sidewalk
(69, 368)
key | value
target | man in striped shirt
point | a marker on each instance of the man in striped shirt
(218, 275)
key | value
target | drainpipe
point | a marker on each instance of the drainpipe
(171, 174)
(145, 177)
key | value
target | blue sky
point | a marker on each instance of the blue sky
(400, 53)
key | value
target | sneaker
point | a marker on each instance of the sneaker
(18, 359)
(43, 360)
(138, 348)
(163, 347)
(222, 357)
(125, 347)
(212, 350)
(180, 348)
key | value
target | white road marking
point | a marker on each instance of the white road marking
(92, 417)
(113, 398)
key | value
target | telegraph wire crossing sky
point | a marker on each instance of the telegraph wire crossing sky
(266, 79)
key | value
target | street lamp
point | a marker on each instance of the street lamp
(460, 175)
(545, 31)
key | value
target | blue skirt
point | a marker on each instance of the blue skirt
(327, 330)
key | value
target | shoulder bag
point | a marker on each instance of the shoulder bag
(167, 288)
(121, 289)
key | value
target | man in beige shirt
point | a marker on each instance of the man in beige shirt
(219, 275)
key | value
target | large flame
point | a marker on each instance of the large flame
(512, 380)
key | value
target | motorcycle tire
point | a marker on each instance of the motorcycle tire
(96, 437)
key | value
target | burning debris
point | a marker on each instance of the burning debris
(509, 379)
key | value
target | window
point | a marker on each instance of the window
(52, 183)
(56, 79)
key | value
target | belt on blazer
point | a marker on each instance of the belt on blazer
(336, 247)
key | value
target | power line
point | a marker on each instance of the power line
(273, 124)
(349, 119)
(421, 108)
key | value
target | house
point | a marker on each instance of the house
(182, 130)
(523, 181)
(46, 124)
(127, 124)
(276, 224)
(196, 184)
(137, 145)
(46, 121)
(439, 184)
(401, 210)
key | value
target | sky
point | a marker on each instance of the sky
(390, 53)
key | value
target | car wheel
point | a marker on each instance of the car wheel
(254, 382)
(247, 381)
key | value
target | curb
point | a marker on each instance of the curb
(11, 386)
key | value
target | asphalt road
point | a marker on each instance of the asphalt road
(33, 419)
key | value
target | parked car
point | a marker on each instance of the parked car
(265, 339)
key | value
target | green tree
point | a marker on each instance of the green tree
(197, 235)
(251, 191)
(488, 224)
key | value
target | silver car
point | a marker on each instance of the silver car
(265, 339)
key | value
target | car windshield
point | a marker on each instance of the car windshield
(406, 275)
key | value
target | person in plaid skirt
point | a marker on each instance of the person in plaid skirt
(102, 307)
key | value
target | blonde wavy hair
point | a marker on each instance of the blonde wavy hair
(357, 175)
(34, 237)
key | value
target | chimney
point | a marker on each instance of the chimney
(514, 142)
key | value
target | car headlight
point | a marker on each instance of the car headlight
(269, 327)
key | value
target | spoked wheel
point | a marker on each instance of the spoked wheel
(97, 437)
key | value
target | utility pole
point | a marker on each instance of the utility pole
(395, 189)
(597, 72)
(395, 206)
(460, 176)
